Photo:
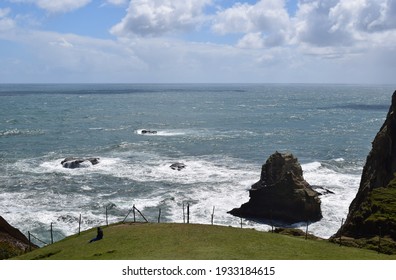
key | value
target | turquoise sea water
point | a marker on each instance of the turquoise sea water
(222, 133)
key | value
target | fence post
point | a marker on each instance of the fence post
(188, 213)
(342, 222)
(79, 225)
(52, 236)
(306, 232)
(134, 214)
(184, 215)
(31, 235)
(241, 222)
(30, 242)
(141, 214)
(107, 219)
(213, 215)
(159, 215)
(129, 212)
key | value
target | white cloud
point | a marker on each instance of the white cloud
(56, 6)
(268, 17)
(4, 12)
(251, 40)
(117, 2)
(265, 15)
(158, 17)
(324, 41)
(61, 6)
(6, 23)
(56, 57)
(346, 32)
(62, 42)
(344, 23)
(365, 15)
(334, 26)
(314, 25)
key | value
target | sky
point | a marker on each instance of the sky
(198, 41)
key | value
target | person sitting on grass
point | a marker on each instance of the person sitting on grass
(99, 235)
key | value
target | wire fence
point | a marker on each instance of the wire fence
(135, 215)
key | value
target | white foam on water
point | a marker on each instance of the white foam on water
(35, 212)
(167, 132)
(334, 206)
(154, 132)
(17, 132)
(86, 167)
(146, 167)
(174, 132)
(35, 202)
(204, 183)
(312, 166)
(86, 188)
(223, 197)
(230, 191)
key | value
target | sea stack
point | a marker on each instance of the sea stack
(373, 211)
(281, 194)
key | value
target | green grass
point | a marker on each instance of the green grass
(377, 214)
(383, 204)
(194, 242)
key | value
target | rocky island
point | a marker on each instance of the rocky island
(281, 194)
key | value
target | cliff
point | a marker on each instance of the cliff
(373, 211)
(12, 241)
(281, 194)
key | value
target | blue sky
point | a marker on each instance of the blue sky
(150, 41)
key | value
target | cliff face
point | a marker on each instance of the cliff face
(12, 241)
(281, 194)
(373, 211)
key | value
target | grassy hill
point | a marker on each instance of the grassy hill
(138, 241)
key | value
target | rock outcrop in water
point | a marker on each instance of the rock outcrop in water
(281, 194)
(145, 131)
(177, 166)
(12, 241)
(72, 162)
(373, 211)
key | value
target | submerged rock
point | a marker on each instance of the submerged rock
(72, 162)
(322, 190)
(178, 166)
(281, 194)
(145, 131)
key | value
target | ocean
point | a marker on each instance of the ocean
(223, 133)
